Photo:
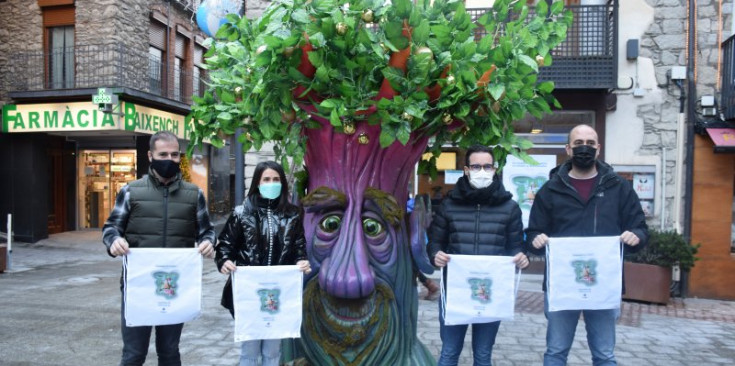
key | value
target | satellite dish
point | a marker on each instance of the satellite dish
(211, 14)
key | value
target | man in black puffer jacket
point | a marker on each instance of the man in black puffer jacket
(478, 217)
(584, 197)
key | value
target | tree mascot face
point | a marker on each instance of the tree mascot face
(360, 302)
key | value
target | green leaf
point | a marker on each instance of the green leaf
(329, 103)
(528, 62)
(496, 90)
(420, 33)
(300, 16)
(386, 137)
(334, 118)
(546, 86)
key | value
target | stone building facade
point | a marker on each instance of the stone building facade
(148, 54)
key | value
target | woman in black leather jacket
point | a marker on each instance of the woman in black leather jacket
(266, 230)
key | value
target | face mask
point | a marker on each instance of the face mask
(270, 191)
(481, 179)
(583, 157)
(165, 168)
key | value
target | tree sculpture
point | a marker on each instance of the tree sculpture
(358, 92)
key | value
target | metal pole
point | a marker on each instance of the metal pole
(239, 169)
(10, 239)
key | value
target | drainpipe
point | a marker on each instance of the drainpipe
(239, 169)
(691, 118)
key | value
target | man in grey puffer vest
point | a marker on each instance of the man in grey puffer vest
(158, 210)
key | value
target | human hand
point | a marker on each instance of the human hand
(119, 247)
(540, 241)
(521, 260)
(206, 249)
(629, 238)
(441, 259)
(228, 267)
(304, 266)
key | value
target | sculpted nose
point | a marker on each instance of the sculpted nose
(346, 273)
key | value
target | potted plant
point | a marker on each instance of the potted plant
(648, 272)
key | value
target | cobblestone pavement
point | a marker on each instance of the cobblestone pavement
(60, 305)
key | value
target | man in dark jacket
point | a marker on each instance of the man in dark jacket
(478, 217)
(158, 210)
(584, 197)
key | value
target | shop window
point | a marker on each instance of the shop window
(102, 174)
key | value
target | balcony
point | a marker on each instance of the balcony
(70, 69)
(587, 59)
(728, 79)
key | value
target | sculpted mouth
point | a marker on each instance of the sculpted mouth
(349, 312)
(346, 323)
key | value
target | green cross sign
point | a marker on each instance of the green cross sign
(102, 97)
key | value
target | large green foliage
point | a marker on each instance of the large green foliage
(254, 69)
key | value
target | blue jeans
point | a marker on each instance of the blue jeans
(136, 340)
(600, 326)
(452, 336)
(270, 349)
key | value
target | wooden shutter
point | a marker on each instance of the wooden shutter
(58, 16)
(157, 35)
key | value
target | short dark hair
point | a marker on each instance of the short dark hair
(162, 135)
(477, 149)
(254, 192)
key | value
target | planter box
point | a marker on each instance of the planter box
(646, 282)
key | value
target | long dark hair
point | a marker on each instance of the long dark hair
(254, 192)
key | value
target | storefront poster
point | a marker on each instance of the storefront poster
(523, 180)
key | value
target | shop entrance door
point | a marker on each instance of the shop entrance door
(102, 174)
(57, 197)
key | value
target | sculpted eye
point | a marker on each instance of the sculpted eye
(331, 223)
(372, 227)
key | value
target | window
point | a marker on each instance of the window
(198, 75)
(156, 57)
(179, 65)
(61, 57)
(58, 45)
(155, 69)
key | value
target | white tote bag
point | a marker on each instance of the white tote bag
(479, 289)
(267, 302)
(162, 286)
(584, 273)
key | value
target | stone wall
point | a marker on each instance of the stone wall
(20, 32)
(664, 42)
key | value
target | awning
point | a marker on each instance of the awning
(724, 139)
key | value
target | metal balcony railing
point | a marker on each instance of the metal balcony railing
(587, 59)
(105, 65)
(728, 79)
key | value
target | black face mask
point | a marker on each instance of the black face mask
(165, 168)
(583, 157)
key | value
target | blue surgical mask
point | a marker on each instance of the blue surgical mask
(270, 191)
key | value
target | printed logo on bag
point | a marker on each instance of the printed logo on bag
(166, 285)
(480, 289)
(585, 272)
(269, 300)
